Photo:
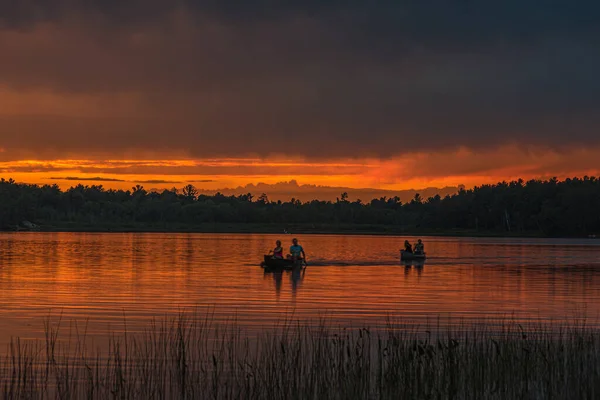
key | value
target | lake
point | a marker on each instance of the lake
(106, 280)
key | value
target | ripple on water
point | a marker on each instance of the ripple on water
(107, 280)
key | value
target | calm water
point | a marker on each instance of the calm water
(105, 279)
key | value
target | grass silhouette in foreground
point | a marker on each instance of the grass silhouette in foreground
(190, 358)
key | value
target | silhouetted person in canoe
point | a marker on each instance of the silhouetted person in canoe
(278, 250)
(408, 247)
(419, 247)
(296, 251)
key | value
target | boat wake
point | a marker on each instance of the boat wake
(450, 261)
(359, 263)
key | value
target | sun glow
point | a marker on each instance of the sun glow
(436, 169)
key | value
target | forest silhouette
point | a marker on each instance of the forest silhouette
(537, 207)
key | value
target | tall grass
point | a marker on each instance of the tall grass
(191, 358)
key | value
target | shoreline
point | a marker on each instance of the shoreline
(292, 229)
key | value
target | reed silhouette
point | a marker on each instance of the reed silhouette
(191, 357)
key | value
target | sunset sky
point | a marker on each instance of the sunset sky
(389, 95)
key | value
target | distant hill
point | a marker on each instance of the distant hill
(287, 190)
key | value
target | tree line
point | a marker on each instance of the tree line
(545, 207)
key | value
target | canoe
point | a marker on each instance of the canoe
(405, 256)
(280, 263)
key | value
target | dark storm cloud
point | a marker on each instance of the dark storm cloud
(157, 181)
(457, 21)
(101, 179)
(344, 78)
(78, 178)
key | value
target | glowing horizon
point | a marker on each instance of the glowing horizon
(418, 171)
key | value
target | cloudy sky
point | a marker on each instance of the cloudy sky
(380, 94)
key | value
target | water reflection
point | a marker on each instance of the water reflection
(277, 276)
(354, 279)
(296, 276)
(410, 267)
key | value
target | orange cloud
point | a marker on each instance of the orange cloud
(419, 170)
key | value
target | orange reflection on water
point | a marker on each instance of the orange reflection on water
(354, 280)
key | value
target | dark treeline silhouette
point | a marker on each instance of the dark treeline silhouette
(542, 207)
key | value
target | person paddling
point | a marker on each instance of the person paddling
(419, 247)
(296, 251)
(408, 247)
(278, 250)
